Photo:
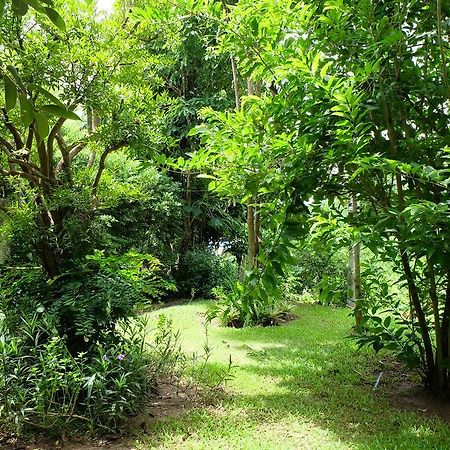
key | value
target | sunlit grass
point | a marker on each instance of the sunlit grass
(301, 385)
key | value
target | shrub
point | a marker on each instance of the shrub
(396, 330)
(87, 301)
(140, 209)
(323, 274)
(200, 271)
(44, 386)
(249, 304)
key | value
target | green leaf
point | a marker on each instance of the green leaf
(10, 93)
(60, 112)
(192, 132)
(55, 18)
(324, 69)
(315, 63)
(17, 79)
(19, 7)
(41, 125)
(35, 4)
(377, 346)
(277, 267)
(254, 25)
(89, 384)
(26, 110)
(2, 7)
(47, 94)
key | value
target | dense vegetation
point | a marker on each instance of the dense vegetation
(258, 154)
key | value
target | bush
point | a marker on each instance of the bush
(320, 273)
(256, 301)
(140, 209)
(396, 330)
(86, 302)
(201, 271)
(44, 386)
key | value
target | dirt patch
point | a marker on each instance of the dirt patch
(171, 400)
(412, 396)
(405, 391)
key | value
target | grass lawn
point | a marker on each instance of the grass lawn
(297, 386)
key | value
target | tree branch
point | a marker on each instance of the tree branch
(68, 155)
(52, 136)
(101, 166)
(6, 146)
(16, 173)
(13, 130)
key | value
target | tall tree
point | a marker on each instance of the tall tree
(49, 74)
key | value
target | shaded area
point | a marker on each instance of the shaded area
(302, 385)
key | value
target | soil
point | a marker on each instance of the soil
(405, 391)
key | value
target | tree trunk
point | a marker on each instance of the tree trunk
(93, 123)
(354, 276)
(428, 347)
(47, 252)
(441, 370)
(237, 97)
(186, 240)
(251, 233)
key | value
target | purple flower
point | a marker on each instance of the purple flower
(121, 357)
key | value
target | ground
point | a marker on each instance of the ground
(302, 385)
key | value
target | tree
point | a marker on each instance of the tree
(49, 76)
(365, 85)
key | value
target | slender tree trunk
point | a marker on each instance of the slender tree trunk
(257, 232)
(47, 252)
(186, 240)
(250, 87)
(234, 71)
(415, 298)
(253, 220)
(439, 17)
(445, 331)
(354, 277)
(93, 123)
(441, 371)
(412, 287)
(251, 258)
(253, 217)
(357, 284)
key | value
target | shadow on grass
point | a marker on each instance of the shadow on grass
(320, 377)
(301, 385)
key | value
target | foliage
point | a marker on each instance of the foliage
(140, 209)
(202, 271)
(242, 307)
(372, 82)
(20, 8)
(320, 273)
(87, 302)
(394, 329)
(44, 386)
(341, 142)
(50, 78)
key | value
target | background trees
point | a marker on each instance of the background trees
(126, 167)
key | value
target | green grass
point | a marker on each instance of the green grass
(298, 386)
